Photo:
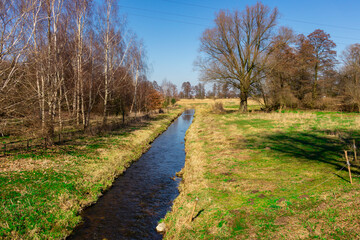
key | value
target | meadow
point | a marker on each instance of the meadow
(278, 175)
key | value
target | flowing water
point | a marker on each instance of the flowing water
(141, 196)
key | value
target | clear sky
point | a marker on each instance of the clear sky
(171, 29)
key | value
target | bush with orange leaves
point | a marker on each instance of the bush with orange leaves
(154, 100)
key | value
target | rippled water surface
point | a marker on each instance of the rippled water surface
(143, 194)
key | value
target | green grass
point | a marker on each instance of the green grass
(235, 106)
(41, 193)
(31, 205)
(268, 176)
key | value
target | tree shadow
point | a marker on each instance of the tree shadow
(198, 214)
(346, 180)
(313, 146)
(93, 135)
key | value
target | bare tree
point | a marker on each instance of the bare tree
(52, 69)
(79, 10)
(281, 68)
(199, 90)
(236, 49)
(169, 91)
(52, 58)
(18, 22)
(120, 49)
(351, 75)
(323, 53)
(186, 89)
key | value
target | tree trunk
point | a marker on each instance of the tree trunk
(62, 81)
(77, 103)
(106, 70)
(66, 99)
(135, 94)
(106, 91)
(43, 119)
(74, 99)
(243, 101)
(91, 86)
(82, 101)
(314, 92)
(59, 110)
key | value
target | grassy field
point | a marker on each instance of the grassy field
(279, 175)
(41, 193)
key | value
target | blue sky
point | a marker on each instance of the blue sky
(171, 29)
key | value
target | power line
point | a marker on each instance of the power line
(168, 20)
(339, 37)
(208, 19)
(355, 39)
(166, 13)
(287, 19)
(320, 24)
(203, 25)
(190, 4)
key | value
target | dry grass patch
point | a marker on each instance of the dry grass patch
(30, 164)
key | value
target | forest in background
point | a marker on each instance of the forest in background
(63, 61)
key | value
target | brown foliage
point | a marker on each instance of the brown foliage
(300, 68)
(218, 107)
(154, 100)
(350, 78)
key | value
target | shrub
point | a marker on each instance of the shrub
(328, 103)
(218, 107)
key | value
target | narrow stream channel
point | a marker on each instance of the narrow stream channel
(143, 194)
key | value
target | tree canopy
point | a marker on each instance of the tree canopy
(236, 49)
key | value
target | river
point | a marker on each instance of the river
(141, 196)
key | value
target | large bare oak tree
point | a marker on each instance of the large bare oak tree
(236, 49)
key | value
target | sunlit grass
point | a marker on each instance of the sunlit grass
(279, 175)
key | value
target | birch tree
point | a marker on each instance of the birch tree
(79, 10)
(106, 35)
(16, 33)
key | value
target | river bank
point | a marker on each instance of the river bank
(43, 192)
(279, 175)
(141, 196)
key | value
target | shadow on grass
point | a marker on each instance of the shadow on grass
(85, 143)
(198, 214)
(346, 180)
(93, 142)
(307, 146)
